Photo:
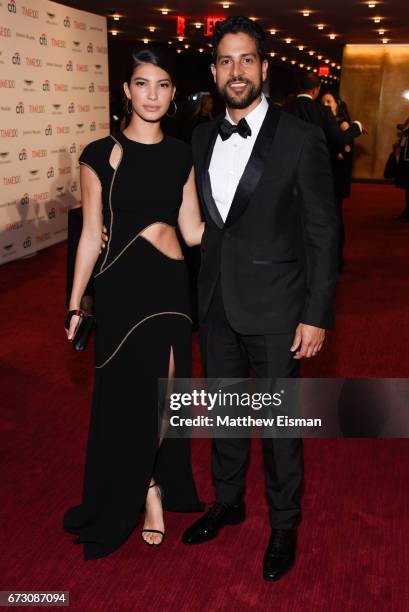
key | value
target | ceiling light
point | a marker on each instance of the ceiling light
(151, 28)
(338, 67)
(116, 17)
(311, 52)
(284, 58)
(385, 41)
(200, 50)
(181, 39)
(253, 18)
(306, 13)
(327, 61)
(288, 41)
(301, 47)
(332, 36)
(319, 57)
(226, 5)
(301, 65)
(178, 50)
(315, 70)
(198, 25)
(405, 94)
(114, 32)
(170, 42)
(273, 32)
(187, 46)
(381, 32)
(164, 11)
(371, 4)
(293, 62)
(146, 40)
(273, 54)
(377, 19)
(333, 64)
(308, 67)
(320, 26)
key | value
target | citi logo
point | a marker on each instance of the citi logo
(16, 59)
(93, 127)
(73, 148)
(19, 108)
(69, 66)
(6, 32)
(90, 48)
(46, 86)
(50, 172)
(25, 200)
(11, 180)
(35, 62)
(23, 155)
(7, 84)
(91, 87)
(51, 213)
(27, 242)
(11, 7)
(71, 108)
(48, 130)
(67, 22)
(43, 40)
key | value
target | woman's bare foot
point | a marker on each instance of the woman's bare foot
(153, 516)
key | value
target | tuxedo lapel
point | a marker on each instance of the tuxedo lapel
(206, 187)
(255, 166)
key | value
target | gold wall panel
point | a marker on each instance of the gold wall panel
(375, 86)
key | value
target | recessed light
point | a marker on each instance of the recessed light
(114, 32)
(301, 47)
(293, 62)
(200, 50)
(116, 17)
(315, 70)
(288, 41)
(306, 13)
(273, 53)
(226, 5)
(178, 50)
(181, 39)
(385, 41)
(327, 61)
(320, 26)
(377, 19)
(165, 11)
(381, 32)
(338, 67)
(284, 58)
(187, 46)
(253, 18)
(198, 25)
(308, 67)
(311, 52)
(146, 40)
(371, 4)
(273, 32)
(151, 28)
(319, 57)
(301, 65)
(333, 64)
(170, 42)
(332, 36)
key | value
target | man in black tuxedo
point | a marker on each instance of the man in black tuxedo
(306, 107)
(268, 269)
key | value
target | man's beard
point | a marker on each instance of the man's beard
(254, 91)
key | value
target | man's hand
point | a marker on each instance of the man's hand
(104, 237)
(308, 341)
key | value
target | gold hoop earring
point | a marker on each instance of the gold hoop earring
(129, 110)
(174, 112)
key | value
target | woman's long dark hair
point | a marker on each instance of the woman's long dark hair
(163, 58)
(342, 114)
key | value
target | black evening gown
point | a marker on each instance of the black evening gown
(143, 313)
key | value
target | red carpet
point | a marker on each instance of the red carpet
(353, 541)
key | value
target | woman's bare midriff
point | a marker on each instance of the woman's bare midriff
(163, 237)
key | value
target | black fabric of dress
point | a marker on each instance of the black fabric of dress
(143, 312)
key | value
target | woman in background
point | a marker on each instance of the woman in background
(342, 165)
(140, 184)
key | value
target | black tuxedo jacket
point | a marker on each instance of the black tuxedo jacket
(321, 116)
(277, 251)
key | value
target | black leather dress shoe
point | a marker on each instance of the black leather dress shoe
(280, 554)
(209, 525)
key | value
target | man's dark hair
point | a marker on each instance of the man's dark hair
(307, 81)
(236, 25)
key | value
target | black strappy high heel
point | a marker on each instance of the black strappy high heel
(162, 533)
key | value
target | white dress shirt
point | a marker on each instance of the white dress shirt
(230, 158)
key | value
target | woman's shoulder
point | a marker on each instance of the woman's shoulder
(99, 145)
(179, 145)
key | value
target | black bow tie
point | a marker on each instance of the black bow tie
(226, 129)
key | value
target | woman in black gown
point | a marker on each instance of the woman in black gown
(139, 184)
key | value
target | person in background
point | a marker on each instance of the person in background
(202, 112)
(402, 170)
(341, 164)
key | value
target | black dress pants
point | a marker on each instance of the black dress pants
(228, 354)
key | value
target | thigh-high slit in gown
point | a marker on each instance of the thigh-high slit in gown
(143, 315)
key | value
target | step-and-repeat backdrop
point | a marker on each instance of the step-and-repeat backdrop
(54, 99)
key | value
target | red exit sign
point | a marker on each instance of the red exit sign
(323, 71)
(210, 23)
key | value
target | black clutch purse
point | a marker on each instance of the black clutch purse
(84, 331)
